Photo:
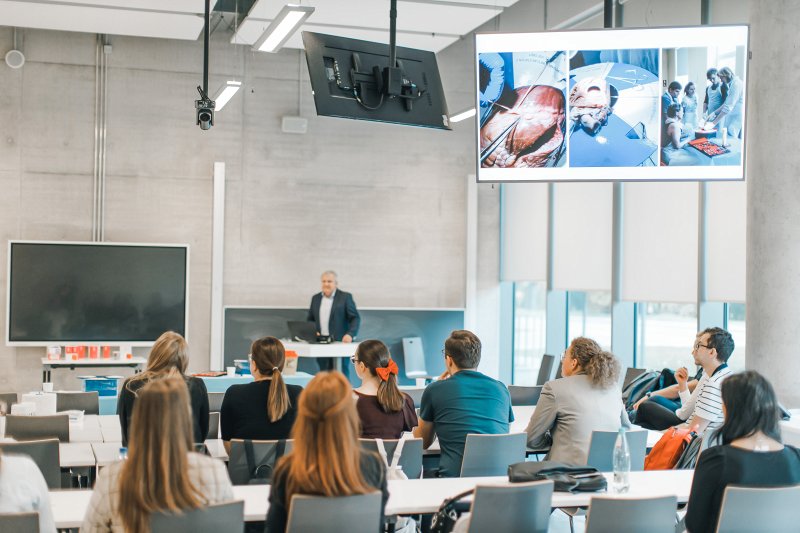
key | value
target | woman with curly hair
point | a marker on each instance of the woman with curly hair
(588, 398)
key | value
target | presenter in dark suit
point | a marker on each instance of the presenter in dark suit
(334, 313)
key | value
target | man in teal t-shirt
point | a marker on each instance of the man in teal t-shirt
(463, 401)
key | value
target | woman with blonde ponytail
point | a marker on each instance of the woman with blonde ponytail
(161, 473)
(384, 411)
(588, 398)
(266, 408)
(327, 459)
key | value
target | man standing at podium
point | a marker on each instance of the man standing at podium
(335, 314)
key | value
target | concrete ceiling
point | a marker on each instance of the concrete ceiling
(426, 24)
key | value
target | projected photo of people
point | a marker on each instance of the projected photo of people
(703, 106)
(613, 108)
(522, 101)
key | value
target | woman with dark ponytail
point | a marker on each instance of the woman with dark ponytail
(266, 408)
(384, 411)
(588, 398)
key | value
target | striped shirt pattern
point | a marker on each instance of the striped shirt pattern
(706, 400)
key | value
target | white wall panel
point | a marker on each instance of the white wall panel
(660, 232)
(524, 223)
(582, 236)
(727, 235)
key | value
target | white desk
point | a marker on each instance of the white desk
(106, 453)
(110, 428)
(337, 350)
(86, 430)
(48, 365)
(409, 496)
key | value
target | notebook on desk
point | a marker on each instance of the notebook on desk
(306, 332)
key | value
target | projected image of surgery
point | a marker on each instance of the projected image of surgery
(702, 108)
(522, 103)
(613, 108)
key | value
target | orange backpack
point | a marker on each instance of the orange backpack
(669, 448)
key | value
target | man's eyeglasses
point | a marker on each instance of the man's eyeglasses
(698, 345)
(353, 359)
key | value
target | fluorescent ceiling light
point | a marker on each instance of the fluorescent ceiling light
(464, 115)
(282, 27)
(225, 93)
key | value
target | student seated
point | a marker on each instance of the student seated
(161, 473)
(462, 401)
(169, 357)
(648, 412)
(384, 411)
(24, 490)
(327, 459)
(751, 454)
(588, 398)
(266, 408)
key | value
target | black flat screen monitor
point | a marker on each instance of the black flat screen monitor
(654, 104)
(349, 80)
(62, 293)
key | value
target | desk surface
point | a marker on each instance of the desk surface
(410, 496)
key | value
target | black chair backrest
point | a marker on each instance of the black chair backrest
(45, 453)
(212, 519)
(264, 459)
(558, 372)
(215, 401)
(524, 395)
(410, 457)
(20, 522)
(545, 369)
(88, 402)
(7, 399)
(38, 427)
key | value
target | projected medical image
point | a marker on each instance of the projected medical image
(614, 108)
(703, 106)
(522, 101)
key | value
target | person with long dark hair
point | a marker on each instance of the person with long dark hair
(326, 459)
(751, 453)
(385, 412)
(266, 408)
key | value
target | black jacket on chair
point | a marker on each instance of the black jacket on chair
(344, 320)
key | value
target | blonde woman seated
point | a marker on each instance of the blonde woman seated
(169, 357)
(384, 411)
(588, 398)
(161, 472)
(327, 459)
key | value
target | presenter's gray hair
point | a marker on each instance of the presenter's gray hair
(332, 273)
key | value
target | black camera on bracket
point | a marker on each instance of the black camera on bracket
(205, 110)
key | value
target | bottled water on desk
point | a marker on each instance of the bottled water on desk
(622, 463)
(123, 453)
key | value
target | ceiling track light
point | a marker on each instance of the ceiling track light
(226, 92)
(282, 27)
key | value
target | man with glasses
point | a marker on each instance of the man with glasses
(462, 401)
(700, 409)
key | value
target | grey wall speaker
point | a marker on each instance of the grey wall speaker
(15, 59)
(294, 125)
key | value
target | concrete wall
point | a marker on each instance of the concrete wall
(383, 205)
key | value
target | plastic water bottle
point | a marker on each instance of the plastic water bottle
(123, 453)
(622, 463)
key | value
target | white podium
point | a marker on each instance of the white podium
(337, 350)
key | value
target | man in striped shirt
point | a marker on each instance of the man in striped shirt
(702, 409)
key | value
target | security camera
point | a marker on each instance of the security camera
(205, 110)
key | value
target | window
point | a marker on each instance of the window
(529, 330)
(736, 327)
(665, 334)
(590, 316)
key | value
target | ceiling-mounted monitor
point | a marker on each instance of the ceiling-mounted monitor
(655, 104)
(88, 292)
(351, 79)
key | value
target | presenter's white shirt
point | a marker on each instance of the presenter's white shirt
(325, 307)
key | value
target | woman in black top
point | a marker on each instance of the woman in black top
(168, 357)
(327, 459)
(751, 453)
(266, 408)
